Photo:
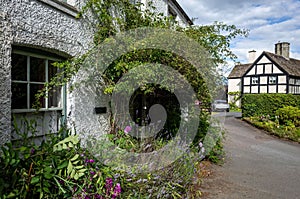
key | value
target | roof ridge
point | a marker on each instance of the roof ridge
(289, 65)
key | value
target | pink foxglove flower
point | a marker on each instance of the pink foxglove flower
(200, 144)
(127, 129)
(117, 191)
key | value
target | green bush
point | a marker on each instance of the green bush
(267, 104)
(61, 168)
(289, 116)
(286, 131)
(58, 168)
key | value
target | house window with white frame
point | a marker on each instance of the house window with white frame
(254, 80)
(30, 72)
(272, 80)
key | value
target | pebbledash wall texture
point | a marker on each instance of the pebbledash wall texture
(46, 25)
(5, 94)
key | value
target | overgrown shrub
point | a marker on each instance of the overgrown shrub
(286, 131)
(58, 168)
(61, 168)
(267, 104)
(288, 116)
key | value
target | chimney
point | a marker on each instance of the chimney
(251, 56)
(283, 49)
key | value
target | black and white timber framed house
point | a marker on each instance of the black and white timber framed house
(268, 73)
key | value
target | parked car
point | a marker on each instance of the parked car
(220, 105)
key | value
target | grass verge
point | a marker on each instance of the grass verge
(273, 128)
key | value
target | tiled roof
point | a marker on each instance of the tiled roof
(291, 66)
(239, 70)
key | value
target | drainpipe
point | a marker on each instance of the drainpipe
(64, 118)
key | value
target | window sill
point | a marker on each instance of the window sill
(62, 6)
(34, 110)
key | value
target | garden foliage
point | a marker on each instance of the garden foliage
(289, 115)
(278, 114)
(61, 168)
(58, 168)
(267, 104)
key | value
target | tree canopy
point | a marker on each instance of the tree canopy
(109, 18)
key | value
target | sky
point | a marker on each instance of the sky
(269, 21)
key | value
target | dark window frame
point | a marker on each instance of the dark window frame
(254, 80)
(272, 80)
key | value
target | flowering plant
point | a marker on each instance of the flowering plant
(58, 168)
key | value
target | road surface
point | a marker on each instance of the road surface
(257, 166)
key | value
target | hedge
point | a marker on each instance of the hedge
(267, 104)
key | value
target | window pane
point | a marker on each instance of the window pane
(272, 80)
(52, 70)
(37, 70)
(19, 67)
(54, 97)
(34, 88)
(19, 96)
(254, 80)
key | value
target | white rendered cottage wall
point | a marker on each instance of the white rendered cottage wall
(182, 21)
(39, 25)
(161, 6)
(234, 85)
(50, 26)
(5, 95)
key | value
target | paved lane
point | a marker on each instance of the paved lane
(257, 166)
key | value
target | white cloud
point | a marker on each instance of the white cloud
(269, 21)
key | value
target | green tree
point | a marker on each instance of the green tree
(110, 17)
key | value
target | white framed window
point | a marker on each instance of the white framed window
(29, 74)
(254, 80)
(297, 90)
(272, 80)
